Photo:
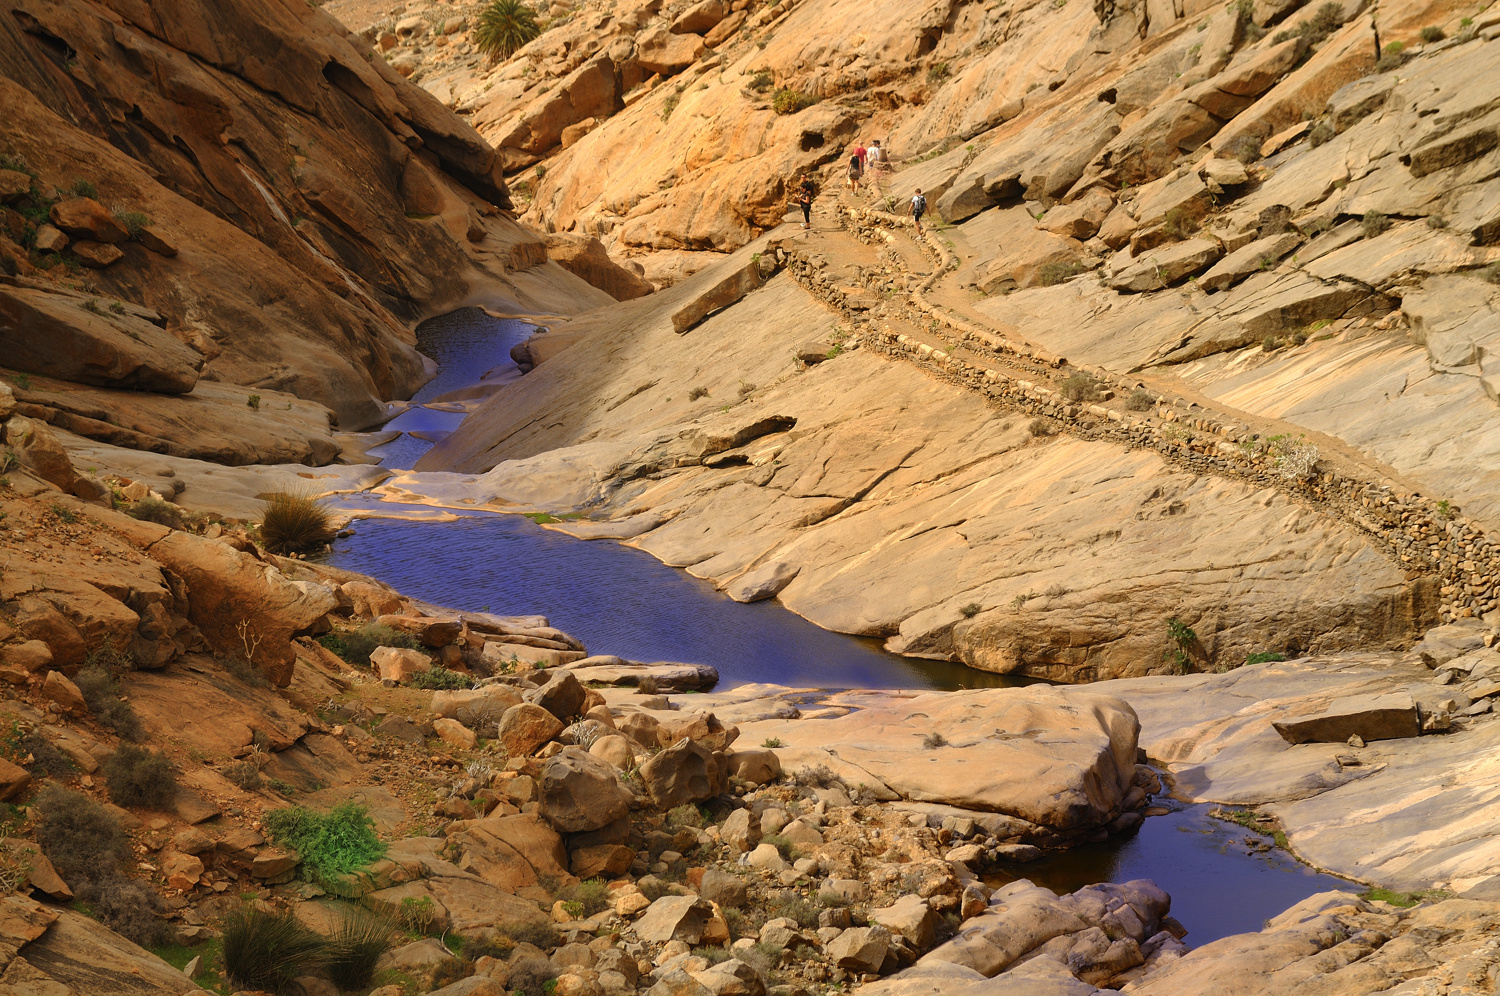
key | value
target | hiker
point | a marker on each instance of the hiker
(918, 207)
(876, 164)
(804, 198)
(856, 167)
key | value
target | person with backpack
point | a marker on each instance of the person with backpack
(918, 207)
(856, 167)
(877, 165)
(804, 198)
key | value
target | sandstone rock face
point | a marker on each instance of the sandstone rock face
(585, 257)
(581, 792)
(682, 773)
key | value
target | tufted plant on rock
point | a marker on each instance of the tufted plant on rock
(504, 26)
(295, 523)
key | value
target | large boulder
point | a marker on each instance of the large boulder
(701, 17)
(562, 695)
(38, 450)
(585, 256)
(581, 792)
(674, 918)
(525, 727)
(54, 334)
(1373, 717)
(86, 218)
(658, 50)
(684, 772)
(860, 949)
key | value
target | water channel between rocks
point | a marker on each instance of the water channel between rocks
(619, 600)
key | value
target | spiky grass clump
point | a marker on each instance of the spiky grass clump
(504, 26)
(295, 523)
(139, 777)
(265, 950)
(355, 948)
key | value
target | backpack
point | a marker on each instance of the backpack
(919, 204)
(854, 163)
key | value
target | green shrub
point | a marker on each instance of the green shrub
(355, 948)
(1080, 387)
(356, 645)
(685, 815)
(789, 101)
(794, 907)
(786, 848)
(772, 742)
(1432, 33)
(592, 895)
(531, 977)
(1321, 133)
(971, 610)
(1374, 223)
(938, 71)
(127, 907)
(1491, 273)
(1140, 400)
(439, 679)
(504, 27)
(46, 760)
(153, 509)
(1055, 272)
(448, 971)
(934, 740)
(133, 222)
(762, 81)
(242, 670)
(79, 836)
(1245, 148)
(83, 188)
(245, 774)
(538, 933)
(295, 523)
(1270, 344)
(265, 950)
(139, 777)
(101, 692)
(332, 843)
(1264, 657)
(1179, 224)
(670, 104)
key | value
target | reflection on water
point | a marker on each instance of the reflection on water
(467, 344)
(622, 601)
(1217, 887)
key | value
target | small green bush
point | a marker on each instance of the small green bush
(1055, 272)
(439, 679)
(332, 843)
(1264, 657)
(971, 610)
(1270, 344)
(133, 222)
(670, 104)
(265, 950)
(242, 670)
(504, 26)
(762, 81)
(685, 815)
(153, 509)
(356, 645)
(934, 740)
(46, 760)
(139, 777)
(101, 692)
(1245, 148)
(1321, 133)
(79, 836)
(697, 392)
(786, 848)
(448, 971)
(1140, 400)
(789, 101)
(1080, 387)
(938, 71)
(538, 933)
(1179, 224)
(295, 523)
(356, 947)
(1491, 273)
(532, 977)
(771, 743)
(245, 774)
(794, 907)
(1374, 223)
(591, 895)
(1432, 33)
(83, 188)
(127, 907)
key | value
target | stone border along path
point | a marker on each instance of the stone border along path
(1411, 529)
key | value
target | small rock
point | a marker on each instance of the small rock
(741, 830)
(59, 690)
(192, 841)
(454, 733)
(1355, 740)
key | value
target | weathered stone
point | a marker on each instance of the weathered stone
(741, 830)
(13, 780)
(1081, 219)
(430, 632)
(51, 239)
(701, 17)
(600, 860)
(581, 792)
(31, 656)
(192, 841)
(453, 733)
(58, 690)
(562, 695)
(97, 255)
(86, 218)
(1373, 717)
(1258, 256)
(272, 862)
(585, 256)
(526, 727)
(759, 767)
(674, 918)
(182, 870)
(615, 750)
(658, 50)
(37, 449)
(860, 949)
(722, 294)
(1166, 266)
(682, 773)
(398, 663)
(724, 888)
(911, 917)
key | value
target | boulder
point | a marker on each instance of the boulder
(1081, 219)
(49, 238)
(181, 870)
(842, 892)
(759, 767)
(682, 773)
(526, 727)
(1166, 266)
(658, 50)
(58, 690)
(372, 600)
(1258, 256)
(273, 862)
(192, 841)
(37, 449)
(14, 780)
(1392, 716)
(860, 949)
(97, 255)
(580, 792)
(31, 656)
(562, 695)
(719, 295)
(741, 830)
(477, 706)
(13, 184)
(453, 733)
(600, 861)
(1220, 173)
(86, 218)
(767, 580)
(674, 918)
(398, 663)
(156, 241)
(615, 750)
(701, 17)
(724, 888)
(731, 978)
(401, 728)
(434, 633)
(584, 256)
(911, 917)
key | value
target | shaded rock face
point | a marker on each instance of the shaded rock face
(272, 164)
